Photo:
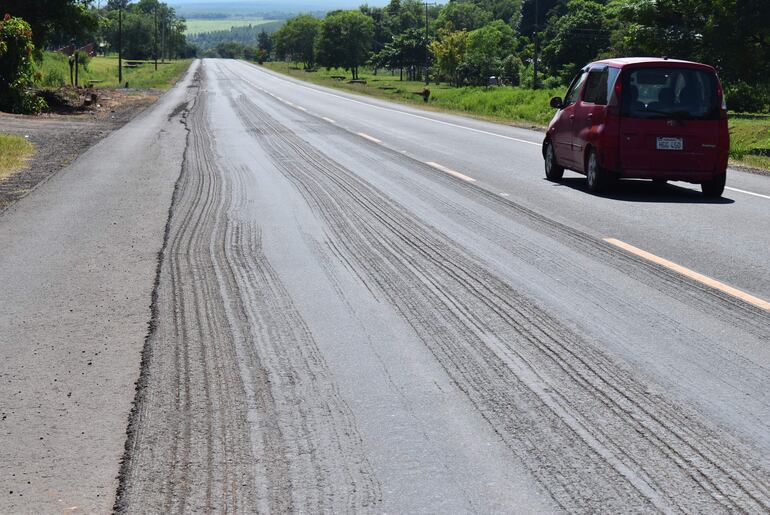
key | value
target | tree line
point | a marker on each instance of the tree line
(536, 43)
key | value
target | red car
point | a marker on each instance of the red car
(648, 118)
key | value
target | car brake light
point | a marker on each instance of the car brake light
(723, 102)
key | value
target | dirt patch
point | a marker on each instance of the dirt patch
(65, 133)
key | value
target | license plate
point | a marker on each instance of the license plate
(670, 144)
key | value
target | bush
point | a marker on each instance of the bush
(748, 98)
(17, 72)
(54, 79)
(512, 70)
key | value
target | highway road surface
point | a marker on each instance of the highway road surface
(356, 306)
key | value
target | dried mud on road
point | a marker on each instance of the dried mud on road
(61, 138)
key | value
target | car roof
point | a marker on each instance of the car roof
(622, 62)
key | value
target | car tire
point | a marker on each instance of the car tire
(553, 172)
(715, 187)
(596, 176)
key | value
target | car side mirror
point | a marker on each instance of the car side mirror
(556, 103)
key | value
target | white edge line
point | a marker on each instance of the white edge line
(450, 171)
(748, 192)
(328, 119)
(370, 138)
(479, 131)
(300, 108)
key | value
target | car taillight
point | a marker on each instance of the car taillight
(723, 103)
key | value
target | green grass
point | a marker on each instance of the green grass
(105, 70)
(197, 26)
(750, 140)
(749, 133)
(14, 153)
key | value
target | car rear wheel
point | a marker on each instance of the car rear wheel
(553, 172)
(715, 187)
(596, 176)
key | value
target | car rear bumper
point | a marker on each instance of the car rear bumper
(669, 175)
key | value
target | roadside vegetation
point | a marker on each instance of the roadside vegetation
(143, 30)
(14, 153)
(54, 72)
(750, 139)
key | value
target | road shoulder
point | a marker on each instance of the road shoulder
(78, 268)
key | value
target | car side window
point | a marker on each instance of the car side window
(596, 87)
(574, 90)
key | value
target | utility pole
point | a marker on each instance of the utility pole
(156, 37)
(537, 45)
(427, 38)
(163, 39)
(120, 44)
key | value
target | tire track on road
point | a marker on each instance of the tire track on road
(236, 411)
(585, 427)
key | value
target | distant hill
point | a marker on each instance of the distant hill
(245, 35)
(206, 9)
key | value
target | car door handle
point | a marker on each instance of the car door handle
(590, 115)
(572, 117)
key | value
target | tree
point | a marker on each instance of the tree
(575, 38)
(463, 16)
(296, 39)
(495, 39)
(407, 50)
(529, 23)
(344, 40)
(449, 52)
(264, 42)
(47, 17)
(16, 68)
(230, 50)
(139, 34)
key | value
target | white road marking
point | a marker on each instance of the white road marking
(708, 281)
(748, 192)
(300, 108)
(328, 119)
(450, 171)
(504, 195)
(370, 138)
(381, 108)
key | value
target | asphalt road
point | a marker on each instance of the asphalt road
(367, 307)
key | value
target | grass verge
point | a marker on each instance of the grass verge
(15, 151)
(749, 133)
(750, 140)
(104, 70)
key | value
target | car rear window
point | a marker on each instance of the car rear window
(680, 93)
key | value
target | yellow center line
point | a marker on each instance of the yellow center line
(370, 138)
(708, 281)
(450, 171)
